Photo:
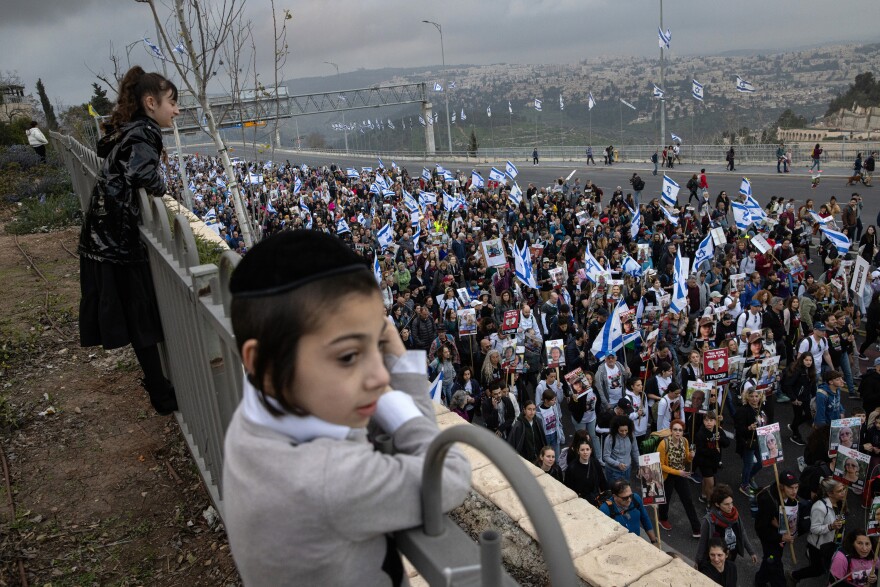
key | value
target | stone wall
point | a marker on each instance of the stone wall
(604, 553)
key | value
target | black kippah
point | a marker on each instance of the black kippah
(289, 260)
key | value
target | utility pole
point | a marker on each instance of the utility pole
(445, 82)
(344, 128)
(663, 86)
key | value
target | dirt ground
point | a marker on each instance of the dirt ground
(103, 491)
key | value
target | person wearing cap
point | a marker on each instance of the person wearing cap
(753, 319)
(311, 388)
(773, 537)
(828, 402)
(816, 343)
(620, 451)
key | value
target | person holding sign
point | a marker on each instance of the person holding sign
(827, 521)
(709, 441)
(799, 384)
(772, 535)
(675, 459)
(854, 564)
(723, 521)
(747, 420)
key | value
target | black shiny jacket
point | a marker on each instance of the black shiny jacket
(131, 161)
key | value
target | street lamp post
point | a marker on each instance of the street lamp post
(344, 128)
(445, 82)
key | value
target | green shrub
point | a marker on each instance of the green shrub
(55, 211)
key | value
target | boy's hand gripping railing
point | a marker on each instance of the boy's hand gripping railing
(441, 551)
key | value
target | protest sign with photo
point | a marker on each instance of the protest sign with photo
(769, 372)
(844, 432)
(873, 528)
(511, 321)
(861, 270)
(788, 515)
(555, 353)
(463, 296)
(557, 276)
(577, 381)
(769, 443)
(697, 396)
(735, 368)
(851, 467)
(493, 252)
(737, 281)
(715, 364)
(794, 265)
(467, 322)
(651, 477)
(509, 360)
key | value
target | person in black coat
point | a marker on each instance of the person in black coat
(869, 388)
(526, 436)
(584, 474)
(800, 385)
(497, 410)
(716, 567)
(773, 538)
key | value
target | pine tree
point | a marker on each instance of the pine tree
(473, 145)
(51, 121)
(99, 100)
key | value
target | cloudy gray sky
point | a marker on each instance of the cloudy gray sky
(60, 40)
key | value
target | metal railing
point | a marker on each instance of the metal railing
(201, 358)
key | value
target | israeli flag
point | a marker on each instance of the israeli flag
(522, 263)
(838, 239)
(426, 175)
(390, 124)
(631, 267)
(374, 189)
(381, 181)
(463, 117)
(511, 169)
(495, 175)
(610, 339)
(219, 181)
(385, 236)
(592, 269)
(436, 389)
(381, 165)
(538, 105)
(416, 236)
(438, 87)
(658, 93)
(352, 173)
(426, 198)
(679, 288)
(304, 209)
(422, 120)
(670, 191)
(453, 117)
(388, 193)
(447, 176)
(741, 215)
(676, 138)
(819, 219)
(745, 187)
(360, 218)
(342, 226)
(451, 85)
(439, 169)
(705, 251)
(561, 103)
(179, 48)
(394, 165)
(590, 101)
(697, 90)
(744, 86)
(635, 224)
(192, 187)
(515, 194)
(625, 103)
(270, 208)
(477, 180)
(673, 219)
(377, 270)
(755, 209)
(254, 178)
(153, 49)
(460, 203)
(489, 111)
(410, 202)
(664, 38)
(509, 107)
(211, 215)
(448, 201)
(366, 169)
(297, 185)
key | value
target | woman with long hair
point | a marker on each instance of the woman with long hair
(584, 474)
(800, 384)
(676, 456)
(854, 564)
(491, 369)
(827, 521)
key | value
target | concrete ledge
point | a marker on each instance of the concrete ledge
(622, 562)
(585, 528)
(676, 573)
(198, 227)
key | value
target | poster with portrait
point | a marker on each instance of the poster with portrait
(873, 528)
(788, 515)
(577, 381)
(493, 252)
(463, 296)
(557, 276)
(537, 251)
(643, 255)
(651, 316)
(664, 300)
(555, 353)
(651, 478)
(769, 443)
(508, 354)
(697, 396)
(737, 281)
(851, 468)
(794, 265)
(844, 432)
(735, 368)
(467, 322)
(511, 321)
(715, 364)
(768, 375)
(520, 366)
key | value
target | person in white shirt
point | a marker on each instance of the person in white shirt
(671, 407)
(639, 416)
(550, 382)
(731, 301)
(753, 319)
(37, 140)
(817, 345)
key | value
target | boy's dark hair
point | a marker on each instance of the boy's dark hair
(280, 290)
(720, 493)
(548, 395)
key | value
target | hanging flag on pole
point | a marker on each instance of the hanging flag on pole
(385, 236)
(523, 270)
(610, 339)
(511, 169)
(489, 111)
(676, 138)
(744, 86)
(670, 191)
(377, 269)
(664, 38)
(515, 194)
(705, 251)
(495, 175)
(477, 180)
(741, 215)
(672, 218)
(838, 239)
(631, 267)
(509, 107)
(417, 249)
(537, 104)
(590, 101)
(679, 289)
(436, 389)
(592, 269)
(634, 224)
(697, 90)
(438, 87)
(625, 103)
(745, 187)
(342, 226)
(658, 93)
(561, 103)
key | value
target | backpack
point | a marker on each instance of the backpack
(652, 442)
(813, 402)
(639, 185)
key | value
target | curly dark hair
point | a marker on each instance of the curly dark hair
(134, 87)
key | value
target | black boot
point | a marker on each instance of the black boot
(162, 397)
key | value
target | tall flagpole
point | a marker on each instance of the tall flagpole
(621, 120)
(662, 85)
